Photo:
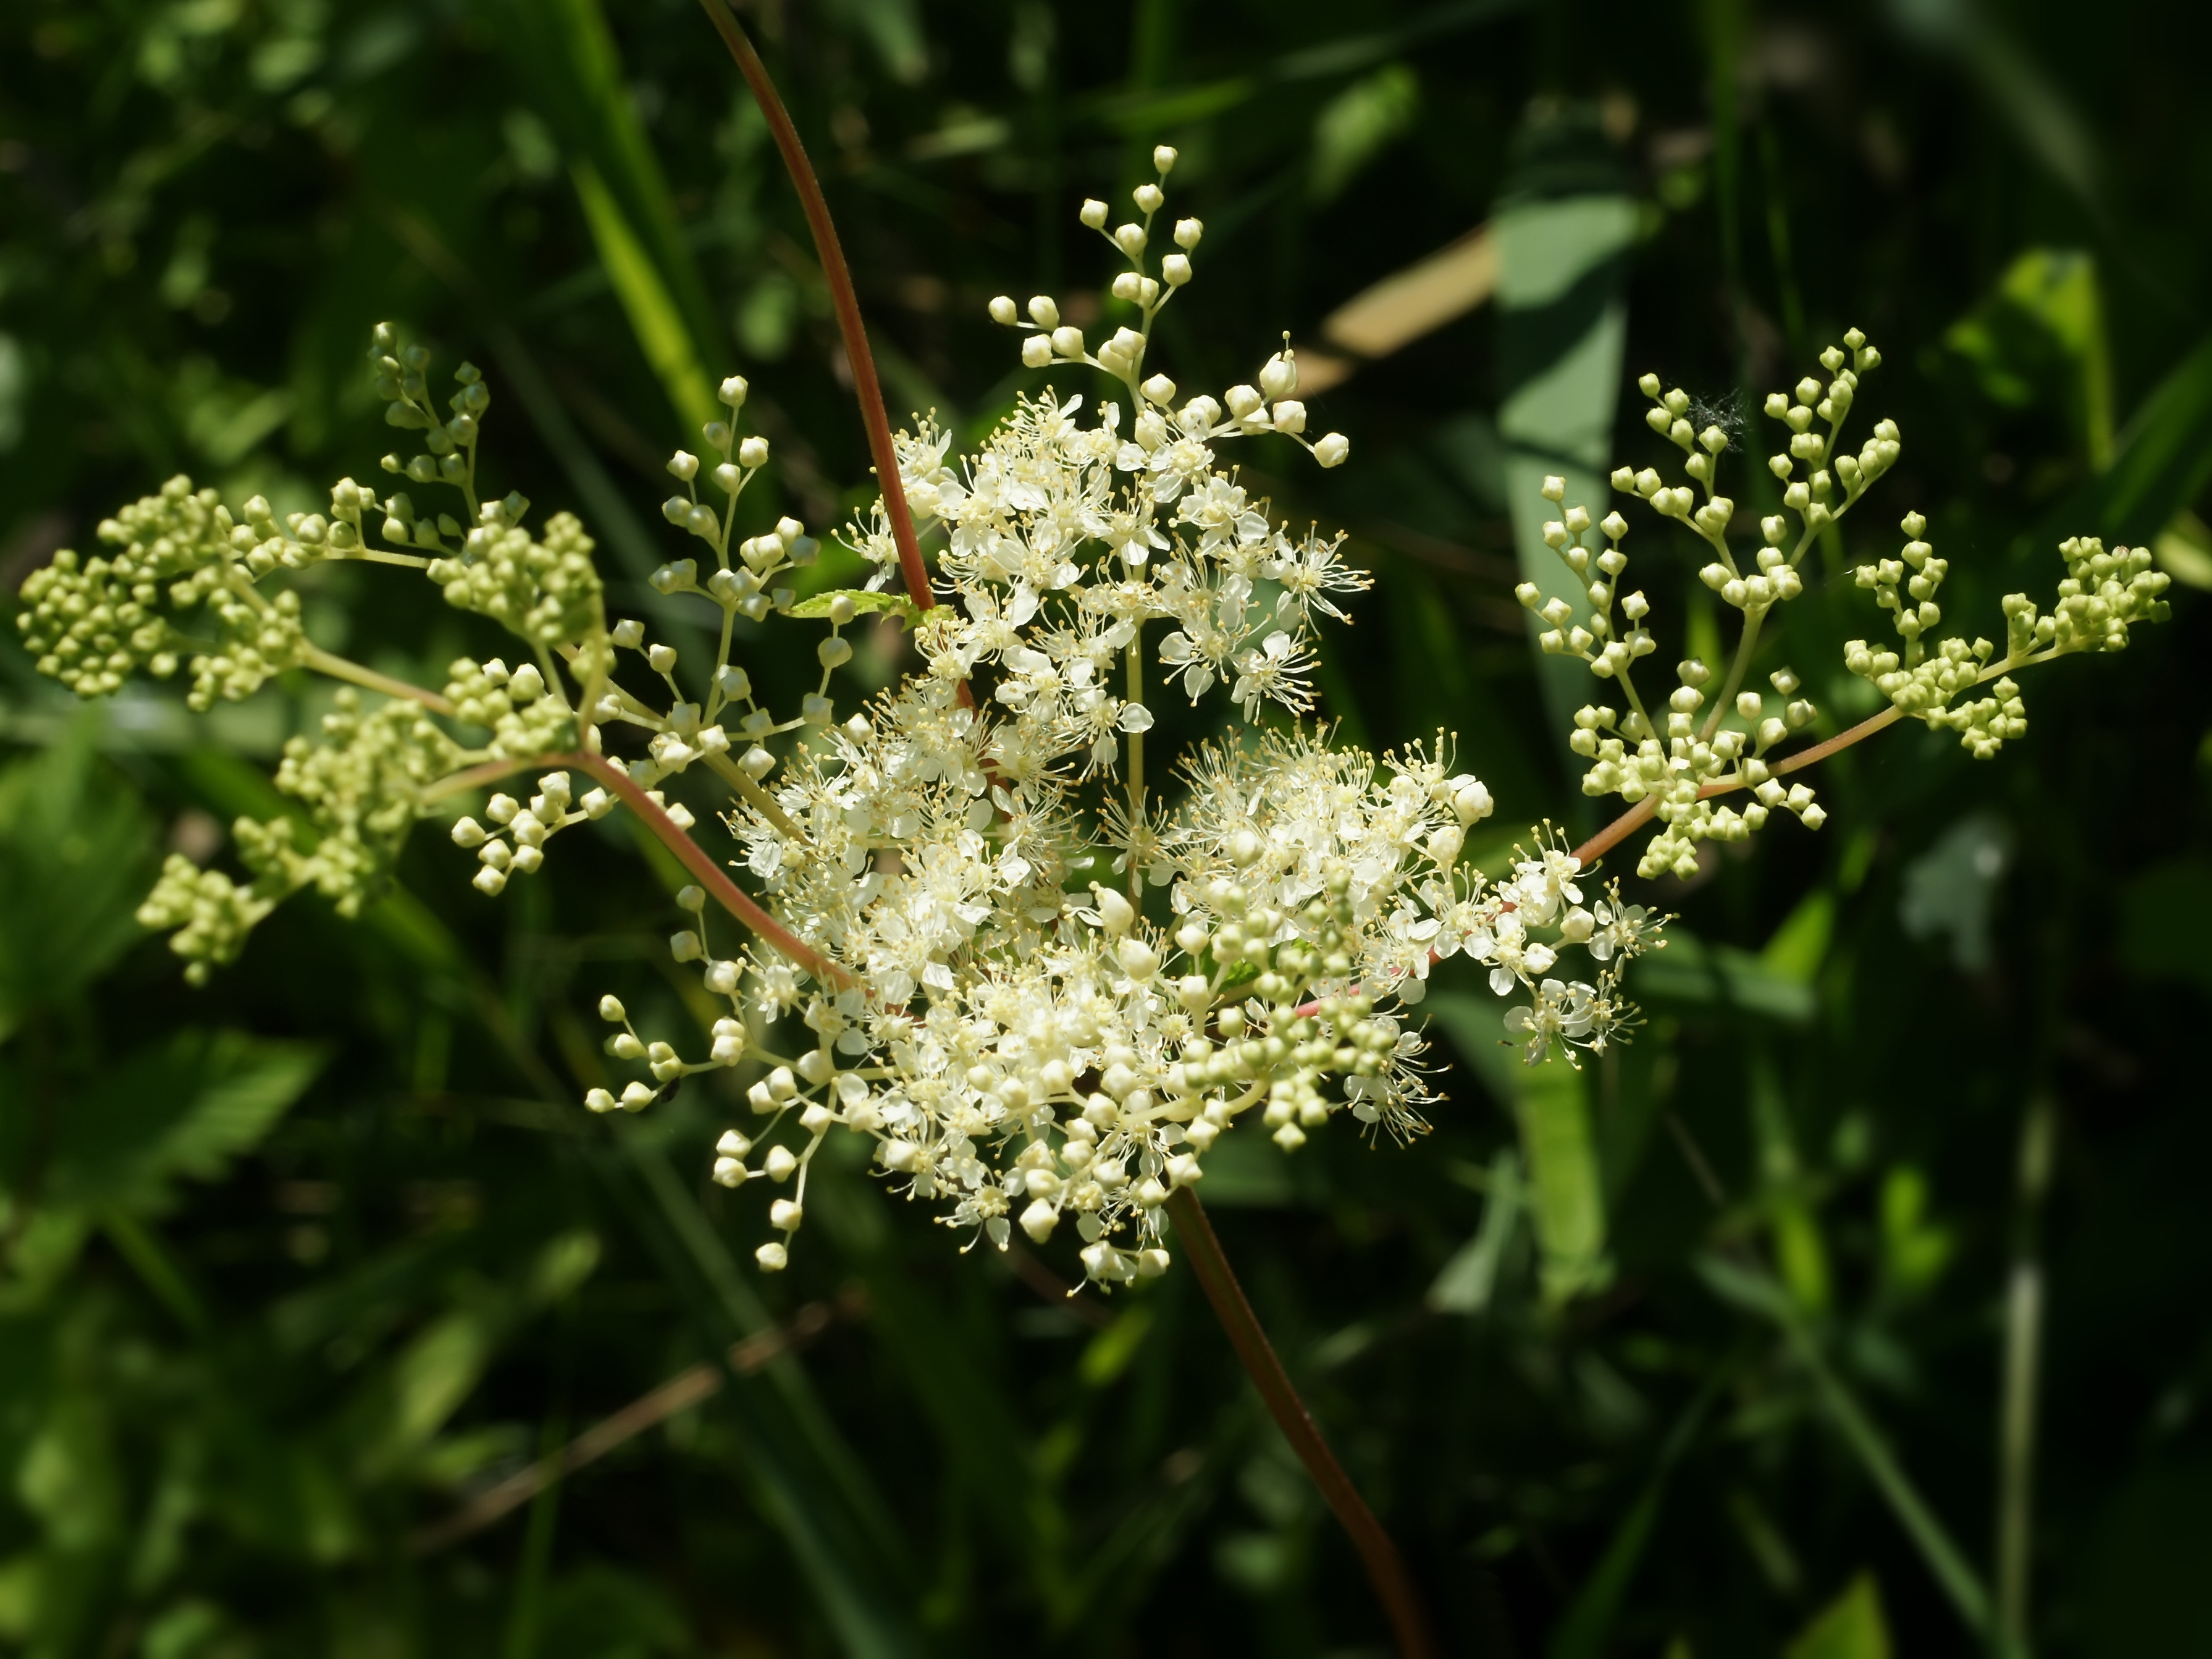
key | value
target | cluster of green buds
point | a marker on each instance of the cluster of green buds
(547, 590)
(1718, 740)
(1813, 497)
(1680, 758)
(363, 786)
(1709, 741)
(449, 445)
(741, 461)
(2101, 596)
(1285, 1018)
(90, 623)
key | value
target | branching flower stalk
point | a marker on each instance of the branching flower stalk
(975, 932)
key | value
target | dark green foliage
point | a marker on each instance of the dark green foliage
(1696, 1352)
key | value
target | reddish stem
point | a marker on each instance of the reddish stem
(1386, 1569)
(693, 856)
(868, 390)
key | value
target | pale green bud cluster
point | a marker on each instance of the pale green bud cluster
(1678, 756)
(1710, 741)
(525, 711)
(363, 786)
(546, 591)
(2102, 595)
(1287, 1021)
(207, 915)
(741, 461)
(90, 623)
(449, 445)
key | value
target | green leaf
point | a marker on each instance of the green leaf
(1849, 1627)
(2040, 338)
(2163, 462)
(1469, 1277)
(652, 310)
(866, 603)
(1551, 1106)
(1565, 225)
(1358, 123)
(894, 29)
(418, 1391)
(1750, 1288)
(807, 1480)
(1582, 1634)
(183, 1111)
(1691, 972)
(1800, 945)
(70, 1476)
(75, 861)
(437, 1369)
(565, 48)
(1109, 1352)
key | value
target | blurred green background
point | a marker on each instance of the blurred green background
(1702, 1352)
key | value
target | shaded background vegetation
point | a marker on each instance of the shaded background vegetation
(1699, 1353)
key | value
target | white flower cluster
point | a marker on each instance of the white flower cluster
(1042, 988)
(1018, 1050)
(1021, 1052)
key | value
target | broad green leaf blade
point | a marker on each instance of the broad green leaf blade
(1564, 227)
(1551, 1107)
(1849, 1627)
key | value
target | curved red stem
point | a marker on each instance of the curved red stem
(844, 300)
(1386, 1568)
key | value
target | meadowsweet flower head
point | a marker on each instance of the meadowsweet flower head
(978, 931)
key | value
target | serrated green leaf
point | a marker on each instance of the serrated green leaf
(74, 861)
(864, 602)
(182, 1111)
